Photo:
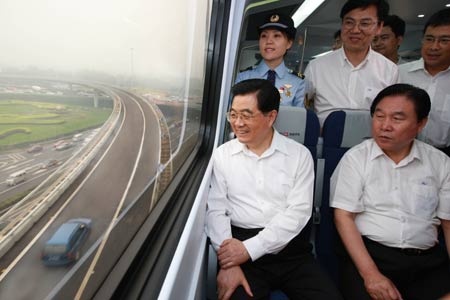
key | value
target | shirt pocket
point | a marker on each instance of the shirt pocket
(284, 184)
(369, 94)
(424, 200)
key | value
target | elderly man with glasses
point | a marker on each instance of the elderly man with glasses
(432, 73)
(350, 77)
(260, 204)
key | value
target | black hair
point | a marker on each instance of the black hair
(440, 18)
(381, 5)
(337, 34)
(396, 23)
(267, 95)
(418, 96)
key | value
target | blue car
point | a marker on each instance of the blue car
(64, 246)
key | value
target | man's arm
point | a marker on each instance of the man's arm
(377, 285)
(218, 225)
(446, 228)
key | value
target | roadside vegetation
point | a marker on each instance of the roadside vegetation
(25, 122)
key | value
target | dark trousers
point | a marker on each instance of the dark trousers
(293, 270)
(418, 276)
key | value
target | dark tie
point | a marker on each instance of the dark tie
(271, 76)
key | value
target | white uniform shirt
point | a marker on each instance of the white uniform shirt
(335, 84)
(437, 130)
(396, 205)
(273, 191)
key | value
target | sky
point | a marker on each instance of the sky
(147, 37)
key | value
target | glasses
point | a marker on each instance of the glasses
(442, 40)
(233, 116)
(363, 25)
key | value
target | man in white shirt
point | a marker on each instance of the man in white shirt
(350, 77)
(432, 73)
(390, 195)
(389, 40)
(259, 205)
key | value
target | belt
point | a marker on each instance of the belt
(406, 251)
(415, 252)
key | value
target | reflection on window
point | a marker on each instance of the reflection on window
(99, 107)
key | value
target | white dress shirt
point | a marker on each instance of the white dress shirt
(437, 130)
(273, 191)
(397, 205)
(335, 84)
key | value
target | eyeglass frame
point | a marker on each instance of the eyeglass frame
(431, 39)
(350, 23)
(242, 116)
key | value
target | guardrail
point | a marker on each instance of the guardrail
(19, 220)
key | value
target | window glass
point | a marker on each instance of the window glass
(100, 106)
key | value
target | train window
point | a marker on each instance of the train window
(112, 93)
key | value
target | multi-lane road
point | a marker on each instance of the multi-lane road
(121, 172)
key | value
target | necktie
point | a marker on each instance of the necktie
(271, 76)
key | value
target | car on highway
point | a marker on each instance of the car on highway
(63, 146)
(35, 149)
(49, 163)
(65, 244)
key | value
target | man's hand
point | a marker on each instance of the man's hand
(228, 280)
(232, 253)
(380, 287)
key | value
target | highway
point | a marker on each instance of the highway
(126, 166)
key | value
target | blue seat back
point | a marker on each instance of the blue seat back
(299, 124)
(341, 131)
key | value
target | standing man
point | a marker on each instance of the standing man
(390, 195)
(276, 36)
(350, 77)
(390, 39)
(432, 73)
(259, 204)
(337, 40)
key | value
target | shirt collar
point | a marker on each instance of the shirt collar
(263, 68)
(415, 153)
(344, 59)
(420, 65)
(277, 144)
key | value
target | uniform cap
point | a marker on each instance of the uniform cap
(280, 22)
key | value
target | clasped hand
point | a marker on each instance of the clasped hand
(232, 253)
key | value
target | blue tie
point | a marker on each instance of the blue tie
(271, 76)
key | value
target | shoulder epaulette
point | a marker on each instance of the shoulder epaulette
(300, 75)
(248, 69)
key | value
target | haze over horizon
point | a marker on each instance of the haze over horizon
(121, 38)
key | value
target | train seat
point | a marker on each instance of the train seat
(341, 131)
(299, 124)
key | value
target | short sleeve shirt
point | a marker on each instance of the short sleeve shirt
(437, 130)
(398, 205)
(335, 84)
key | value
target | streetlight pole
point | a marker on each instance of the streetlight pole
(131, 66)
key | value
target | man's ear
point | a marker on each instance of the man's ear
(422, 124)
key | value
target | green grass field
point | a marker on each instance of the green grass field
(26, 122)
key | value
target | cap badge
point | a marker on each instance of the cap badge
(274, 18)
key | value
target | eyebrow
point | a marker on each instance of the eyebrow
(438, 36)
(242, 110)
